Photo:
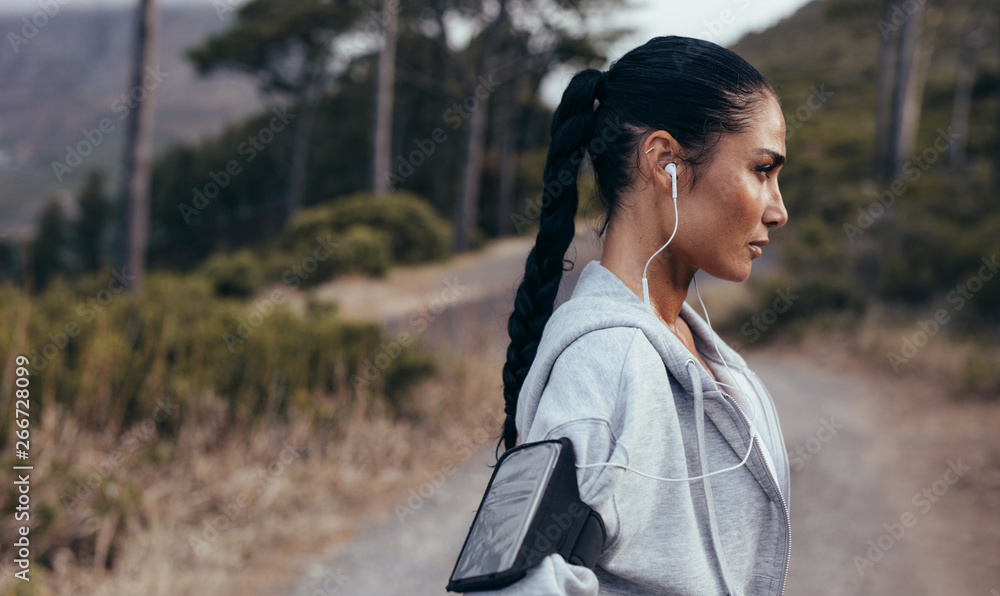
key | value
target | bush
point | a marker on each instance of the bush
(416, 233)
(359, 249)
(237, 275)
(107, 364)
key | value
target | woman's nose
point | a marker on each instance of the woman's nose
(775, 215)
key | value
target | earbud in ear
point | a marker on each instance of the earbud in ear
(671, 169)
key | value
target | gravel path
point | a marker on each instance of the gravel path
(862, 445)
(850, 486)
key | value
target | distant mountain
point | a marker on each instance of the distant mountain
(58, 81)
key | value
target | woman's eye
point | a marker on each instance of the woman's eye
(765, 169)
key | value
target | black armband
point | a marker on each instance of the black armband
(531, 509)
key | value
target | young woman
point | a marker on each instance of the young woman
(677, 441)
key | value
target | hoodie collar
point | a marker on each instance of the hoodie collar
(599, 286)
(601, 300)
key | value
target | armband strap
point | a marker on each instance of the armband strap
(531, 509)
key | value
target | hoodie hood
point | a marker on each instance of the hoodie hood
(600, 300)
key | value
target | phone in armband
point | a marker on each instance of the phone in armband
(531, 509)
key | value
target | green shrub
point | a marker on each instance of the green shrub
(108, 364)
(416, 233)
(237, 275)
(358, 249)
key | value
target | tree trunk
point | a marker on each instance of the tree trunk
(996, 134)
(383, 104)
(308, 106)
(468, 199)
(506, 163)
(467, 212)
(965, 76)
(926, 43)
(884, 95)
(906, 108)
(139, 149)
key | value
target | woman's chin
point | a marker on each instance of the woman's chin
(736, 273)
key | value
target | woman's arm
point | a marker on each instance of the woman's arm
(578, 403)
(553, 575)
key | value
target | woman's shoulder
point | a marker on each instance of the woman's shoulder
(592, 371)
(599, 355)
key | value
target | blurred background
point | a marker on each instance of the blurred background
(260, 255)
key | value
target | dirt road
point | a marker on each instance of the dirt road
(895, 488)
(852, 477)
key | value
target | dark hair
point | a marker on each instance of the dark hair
(693, 89)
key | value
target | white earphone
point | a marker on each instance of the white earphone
(671, 168)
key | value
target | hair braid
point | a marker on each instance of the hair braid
(572, 129)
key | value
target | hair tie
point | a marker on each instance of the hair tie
(600, 89)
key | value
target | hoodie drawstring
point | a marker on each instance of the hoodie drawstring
(699, 423)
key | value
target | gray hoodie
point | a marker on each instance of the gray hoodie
(613, 379)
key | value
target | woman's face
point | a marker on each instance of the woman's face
(726, 216)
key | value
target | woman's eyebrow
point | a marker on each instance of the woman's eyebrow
(775, 156)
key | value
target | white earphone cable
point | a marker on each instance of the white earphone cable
(673, 187)
(715, 343)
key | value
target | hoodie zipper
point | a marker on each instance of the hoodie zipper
(788, 474)
(774, 478)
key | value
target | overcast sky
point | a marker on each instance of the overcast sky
(721, 21)
(705, 19)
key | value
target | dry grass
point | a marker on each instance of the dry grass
(970, 368)
(284, 489)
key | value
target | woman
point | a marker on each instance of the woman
(677, 442)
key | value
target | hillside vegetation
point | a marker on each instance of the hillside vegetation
(900, 260)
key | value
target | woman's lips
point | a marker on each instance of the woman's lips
(757, 251)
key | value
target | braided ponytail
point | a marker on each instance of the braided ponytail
(572, 129)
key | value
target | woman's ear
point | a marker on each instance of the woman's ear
(659, 149)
